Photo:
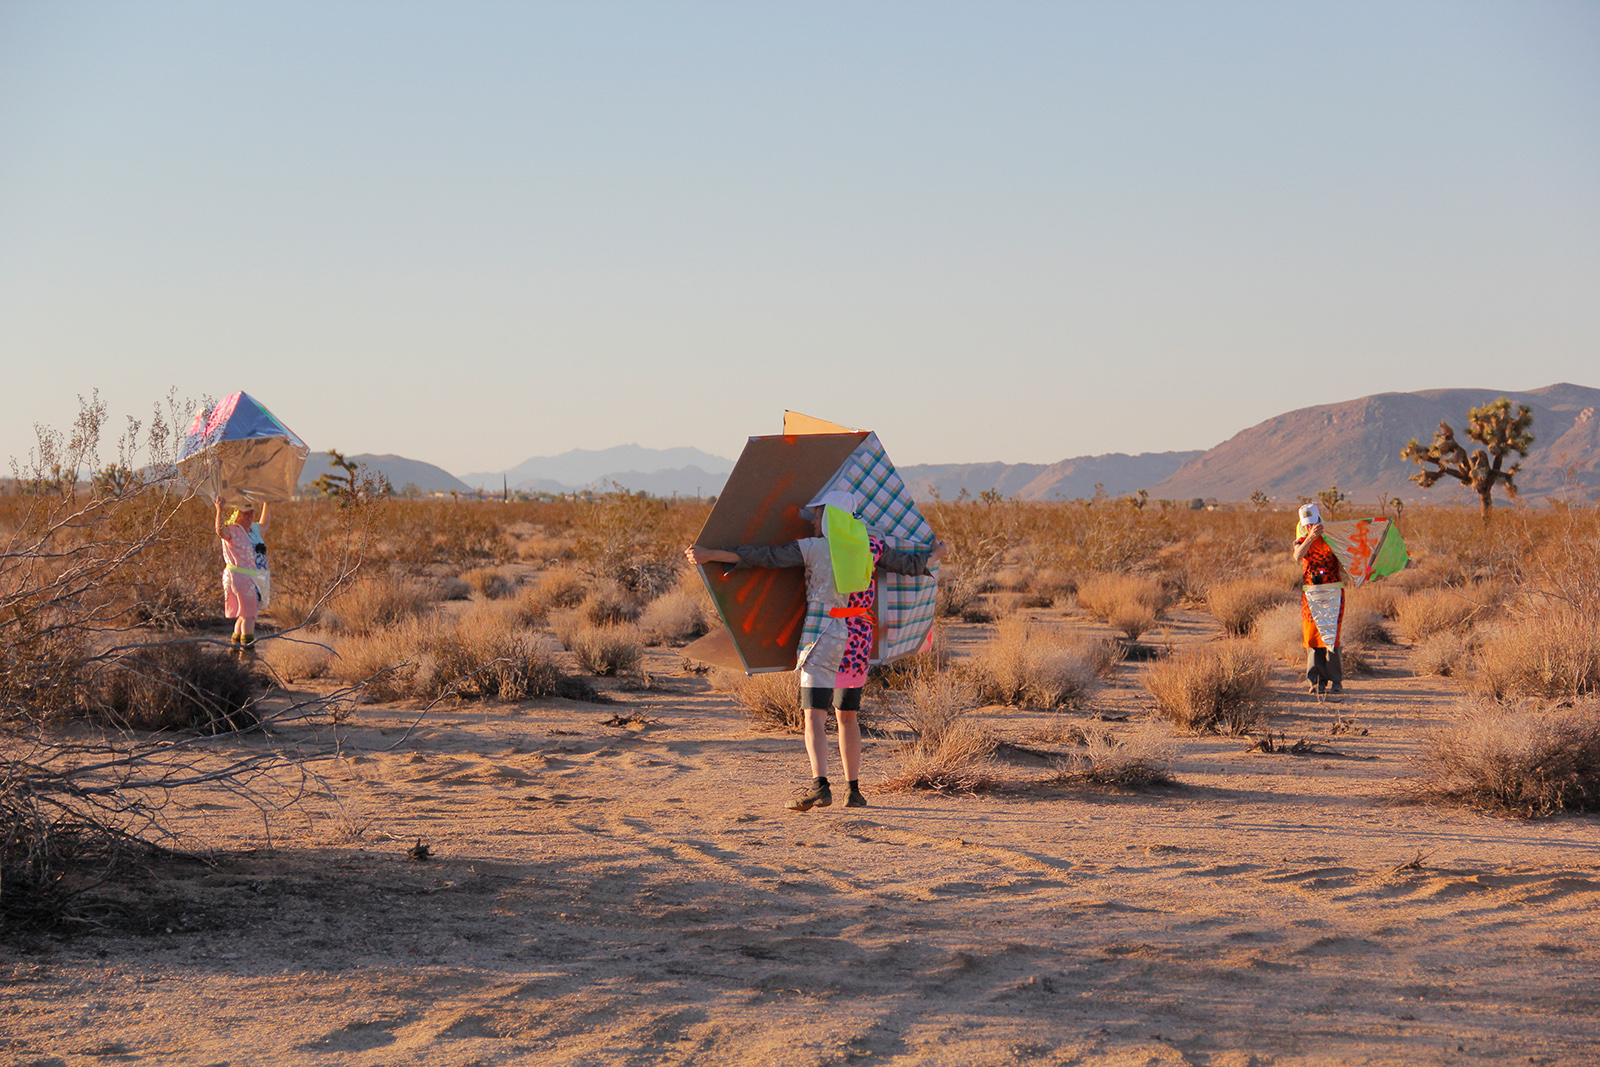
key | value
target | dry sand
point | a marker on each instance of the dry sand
(638, 895)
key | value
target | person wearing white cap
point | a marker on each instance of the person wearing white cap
(1321, 603)
(839, 562)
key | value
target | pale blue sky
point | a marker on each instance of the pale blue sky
(470, 233)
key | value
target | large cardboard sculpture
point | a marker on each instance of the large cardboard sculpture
(764, 610)
(239, 449)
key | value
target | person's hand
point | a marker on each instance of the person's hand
(1315, 529)
(939, 549)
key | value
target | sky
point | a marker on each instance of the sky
(471, 233)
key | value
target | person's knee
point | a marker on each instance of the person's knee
(847, 717)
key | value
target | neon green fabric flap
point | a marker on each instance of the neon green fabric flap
(1392, 555)
(849, 550)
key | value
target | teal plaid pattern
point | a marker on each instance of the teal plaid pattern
(905, 602)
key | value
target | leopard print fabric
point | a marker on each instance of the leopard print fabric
(858, 642)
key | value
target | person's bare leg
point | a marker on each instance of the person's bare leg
(850, 745)
(817, 741)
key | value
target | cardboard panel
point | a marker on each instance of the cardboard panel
(775, 477)
(796, 423)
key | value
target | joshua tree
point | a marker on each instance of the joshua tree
(1497, 430)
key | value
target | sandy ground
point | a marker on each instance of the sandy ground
(639, 895)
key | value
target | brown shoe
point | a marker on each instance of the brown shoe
(815, 795)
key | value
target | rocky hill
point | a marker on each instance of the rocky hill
(1070, 479)
(1356, 446)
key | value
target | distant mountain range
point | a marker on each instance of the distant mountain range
(1116, 473)
(1354, 444)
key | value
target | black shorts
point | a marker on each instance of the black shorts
(821, 698)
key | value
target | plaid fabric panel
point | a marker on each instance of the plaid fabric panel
(905, 602)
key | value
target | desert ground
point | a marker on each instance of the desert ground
(637, 894)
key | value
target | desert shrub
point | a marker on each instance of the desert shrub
(485, 655)
(1143, 759)
(605, 651)
(1440, 655)
(1130, 603)
(1053, 587)
(480, 654)
(1383, 598)
(1236, 604)
(539, 548)
(1527, 759)
(295, 660)
(1363, 626)
(386, 662)
(448, 587)
(559, 587)
(609, 604)
(771, 700)
(291, 610)
(948, 753)
(1220, 687)
(378, 601)
(672, 618)
(1431, 611)
(174, 687)
(491, 583)
(1026, 664)
(1555, 653)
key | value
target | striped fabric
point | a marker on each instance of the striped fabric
(905, 602)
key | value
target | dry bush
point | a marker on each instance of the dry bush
(949, 753)
(1220, 687)
(1431, 611)
(1552, 654)
(1527, 759)
(291, 610)
(1053, 588)
(560, 587)
(484, 655)
(1027, 665)
(1130, 603)
(491, 583)
(386, 662)
(1441, 655)
(609, 604)
(605, 651)
(1236, 604)
(377, 602)
(174, 687)
(448, 587)
(673, 618)
(771, 700)
(1383, 598)
(295, 660)
(539, 548)
(1363, 626)
(481, 654)
(1143, 759)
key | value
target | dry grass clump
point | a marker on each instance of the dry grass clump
(1236, 604)
(771, 700)
(1217, 687)
(1431, 611)
(376, 602)
(291, 610)
(609, 604)
(673, 618)
(481, 654)
(293, 659)
(560, 587)
(1131, 603)
(1025, 664)
(1364, 626)
(540, 548)
(1527, 759)
(948, 752)
(1143, 759)
(1553, 654)
(606, 651)
(1441, 655)
(180, 686)
(490, 583)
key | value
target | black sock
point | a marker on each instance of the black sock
(820, 780)
(855, 785)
